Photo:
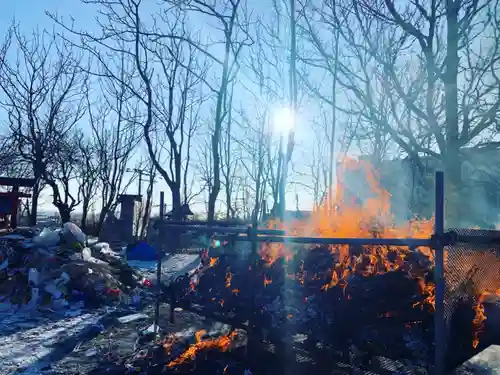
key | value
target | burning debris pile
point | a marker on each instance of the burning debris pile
(200, 353)
(51, 269)
(378, 309)
(379, 299)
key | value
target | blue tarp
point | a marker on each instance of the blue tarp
(142, 252)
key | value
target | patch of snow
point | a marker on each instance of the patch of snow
(172, 266)
(28, 350)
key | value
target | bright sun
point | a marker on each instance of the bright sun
(284, 120)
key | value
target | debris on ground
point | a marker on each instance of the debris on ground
(33, 342)
(54, 269)
(130, 346)
(57, 285)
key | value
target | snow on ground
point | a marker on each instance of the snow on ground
(29, 349)
(28, 342)
(172, 266)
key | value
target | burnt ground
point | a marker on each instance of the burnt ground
(120, 342)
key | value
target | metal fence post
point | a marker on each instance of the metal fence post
(439, 328)
(158, 264)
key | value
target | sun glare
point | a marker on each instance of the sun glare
(284, 120)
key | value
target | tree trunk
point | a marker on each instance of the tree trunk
(38, 171)
(64, 212)
(212, 198)
(102, 216)
(85, 214)
(456, 206)
(334, 124)
(293, 107)
(147, 206)
(34, 205)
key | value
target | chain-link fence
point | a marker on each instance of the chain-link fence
(472, 281)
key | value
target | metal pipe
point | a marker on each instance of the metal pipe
(439, 326)
(478, 240)
(158, 267)
(220, 223)
(410, 242)
(274, 235)
(215, 229)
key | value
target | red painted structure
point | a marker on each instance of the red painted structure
(9, 201)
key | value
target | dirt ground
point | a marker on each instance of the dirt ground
(122, 339)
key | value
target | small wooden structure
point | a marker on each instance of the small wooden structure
(9, 200)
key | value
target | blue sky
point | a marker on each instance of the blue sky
(31, 14)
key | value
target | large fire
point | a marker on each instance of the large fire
(351, 219)
(372, 218)
(345, 217)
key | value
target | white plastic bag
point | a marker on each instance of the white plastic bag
(47, 238)
(87, 254)
(73, 234)
(101, 246)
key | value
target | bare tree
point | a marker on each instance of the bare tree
(293, 100)
(423, 72)
(459, 57)
(230, 162)
(88, 175)
(267, 63)
(148, 204)
(176, 101)
(229, 15)
(253, 149)
(165, 96)
(41, 84)
(192, 187)
(113, 122)
(62, 172)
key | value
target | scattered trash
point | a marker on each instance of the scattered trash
(91, 352)
(54, 269)
(130, 318)
(149, 330)
(73, 235)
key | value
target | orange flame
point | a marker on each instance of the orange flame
(267, 281)
(480, 316)
(352, 219)
(212, 262)
(428, 290)
(229, 277)
(222, 343)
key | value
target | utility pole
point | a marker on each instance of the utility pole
(140, 173)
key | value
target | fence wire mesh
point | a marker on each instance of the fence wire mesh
(472, 271)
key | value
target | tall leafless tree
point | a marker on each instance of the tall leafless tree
(424, 73)
(63, 173)
(88, 175)
(230, 18)
(41, 83)
(162, 78)
(114, 131)
(230, 161)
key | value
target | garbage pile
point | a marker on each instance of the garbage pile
(55, 269)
